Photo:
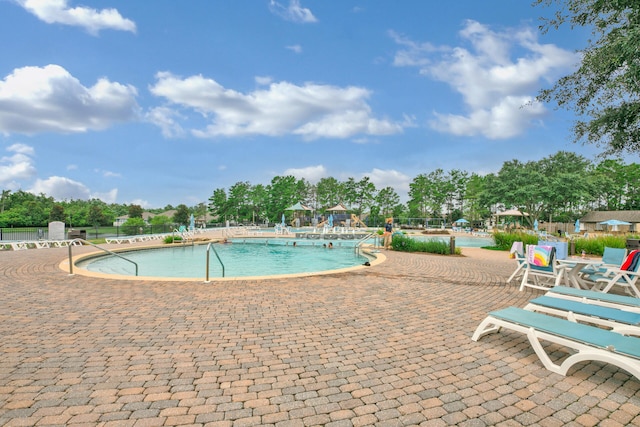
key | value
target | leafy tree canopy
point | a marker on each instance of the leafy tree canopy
(605, 90)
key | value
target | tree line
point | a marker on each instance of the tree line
(561, 187)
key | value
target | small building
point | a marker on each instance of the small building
(591, 221)
(146, 216)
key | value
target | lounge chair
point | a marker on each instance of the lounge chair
(623, 322)
(590, 343)
(612, 259)
(621, 302)
(541, 270)
(517, 252)
(626, 276)
(19, 246)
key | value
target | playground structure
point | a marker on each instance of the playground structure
(344, 220)
(355, 221)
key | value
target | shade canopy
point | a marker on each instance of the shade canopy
(338, 208)
(461, 220)
(615, 222)
(577, 226)
(512, 212)
(298, 207)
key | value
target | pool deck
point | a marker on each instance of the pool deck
(388, 345)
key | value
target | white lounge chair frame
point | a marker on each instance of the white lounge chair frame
(624, 278)
(623, 322)
(542, 277)
(621, 302)
(590, 342)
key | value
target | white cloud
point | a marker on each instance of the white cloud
(92, 20)
(295, 48)
(263, 80)
(17, 166)
(49, 99)
(140, 202)
(108, 174)
(311, 110)
(61, 188)
(389, 178)
(497, 85)
(294, 12)
(313, 174)
(108, 197)
(166, 119)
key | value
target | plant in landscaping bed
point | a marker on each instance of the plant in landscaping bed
(596, 245)
(591, 245)
(434, 246)
(504, 241)
(173, 239)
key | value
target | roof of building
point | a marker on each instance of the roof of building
(599, 216)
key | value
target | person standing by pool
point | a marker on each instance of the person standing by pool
(388, 230)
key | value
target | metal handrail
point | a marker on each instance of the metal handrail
(361, 241)
(209, 246)
(71, 244)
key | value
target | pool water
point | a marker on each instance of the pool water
(239, 259)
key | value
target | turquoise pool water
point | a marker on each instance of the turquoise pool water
(461, 241)
(239, 259)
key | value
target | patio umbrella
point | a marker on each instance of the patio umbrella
(577, 229)
(535, 225)
(283, 223)
(614, 223)
(461, 221)
(330, 220)
(192, 222)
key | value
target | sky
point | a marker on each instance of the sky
(162, 102)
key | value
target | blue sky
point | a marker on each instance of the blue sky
(161, 102)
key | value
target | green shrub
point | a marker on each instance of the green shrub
(596, 245)
(591, 245)
(504, 241)
(403, 243)
(173, 239)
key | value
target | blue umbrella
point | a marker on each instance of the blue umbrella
(535, 225)
(615, 222)
(283, 223)
(330, 220)
(192, 223)
(577, 229)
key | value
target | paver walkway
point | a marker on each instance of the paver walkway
(389, 345)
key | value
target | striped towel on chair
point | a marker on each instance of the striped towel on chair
(631, 262)
(540, 256)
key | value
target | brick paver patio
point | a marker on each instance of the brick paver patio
(388, 345)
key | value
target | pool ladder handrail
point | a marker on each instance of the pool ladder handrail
(210, 246)
(185, 236)
(361, 241)
(71, 245)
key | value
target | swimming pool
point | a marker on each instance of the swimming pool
(249, 259)
(461, 241)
